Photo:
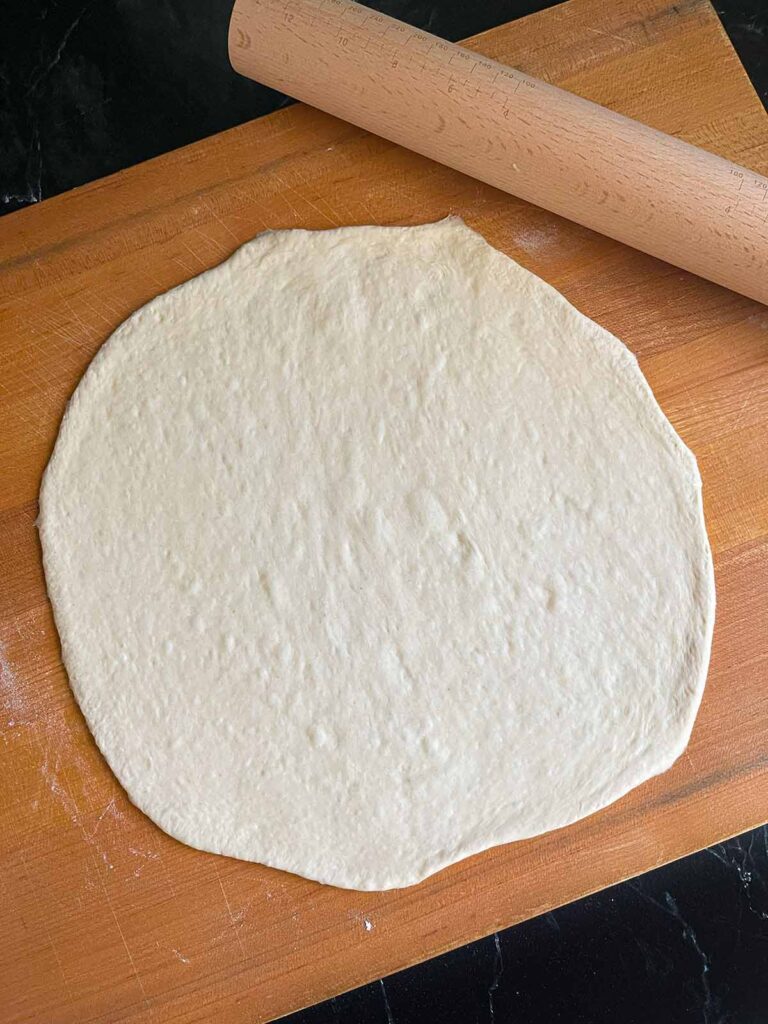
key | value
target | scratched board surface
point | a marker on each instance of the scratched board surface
(106, 919)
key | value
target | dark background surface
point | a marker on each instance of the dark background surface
(685, 944)
(89, 88)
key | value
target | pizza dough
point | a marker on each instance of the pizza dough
(368, 552)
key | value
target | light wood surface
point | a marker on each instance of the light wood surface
(516, 132)
(105, 919)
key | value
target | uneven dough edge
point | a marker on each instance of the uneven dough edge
(57, 468)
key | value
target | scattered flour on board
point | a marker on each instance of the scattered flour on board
(145, 855)
(50, 772)
(537, 240)
(362, 919)
(180, 956)
(16, 711)
(759, 319)
(54, 775)
(14, 707)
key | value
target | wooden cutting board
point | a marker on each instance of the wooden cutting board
(104, 918)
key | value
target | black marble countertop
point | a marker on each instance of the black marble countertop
(87, 88)
(685, 944)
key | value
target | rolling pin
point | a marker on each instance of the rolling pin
(531, 139)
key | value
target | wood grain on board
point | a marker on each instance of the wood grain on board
(106, 919)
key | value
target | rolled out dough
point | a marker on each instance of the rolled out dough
(368, 552)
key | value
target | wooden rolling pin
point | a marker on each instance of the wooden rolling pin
(573, 157)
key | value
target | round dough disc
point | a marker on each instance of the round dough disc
(368, 552)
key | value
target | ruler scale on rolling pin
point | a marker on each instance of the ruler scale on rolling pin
(531, 139)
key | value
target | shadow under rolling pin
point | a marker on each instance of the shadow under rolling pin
(566, 154)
